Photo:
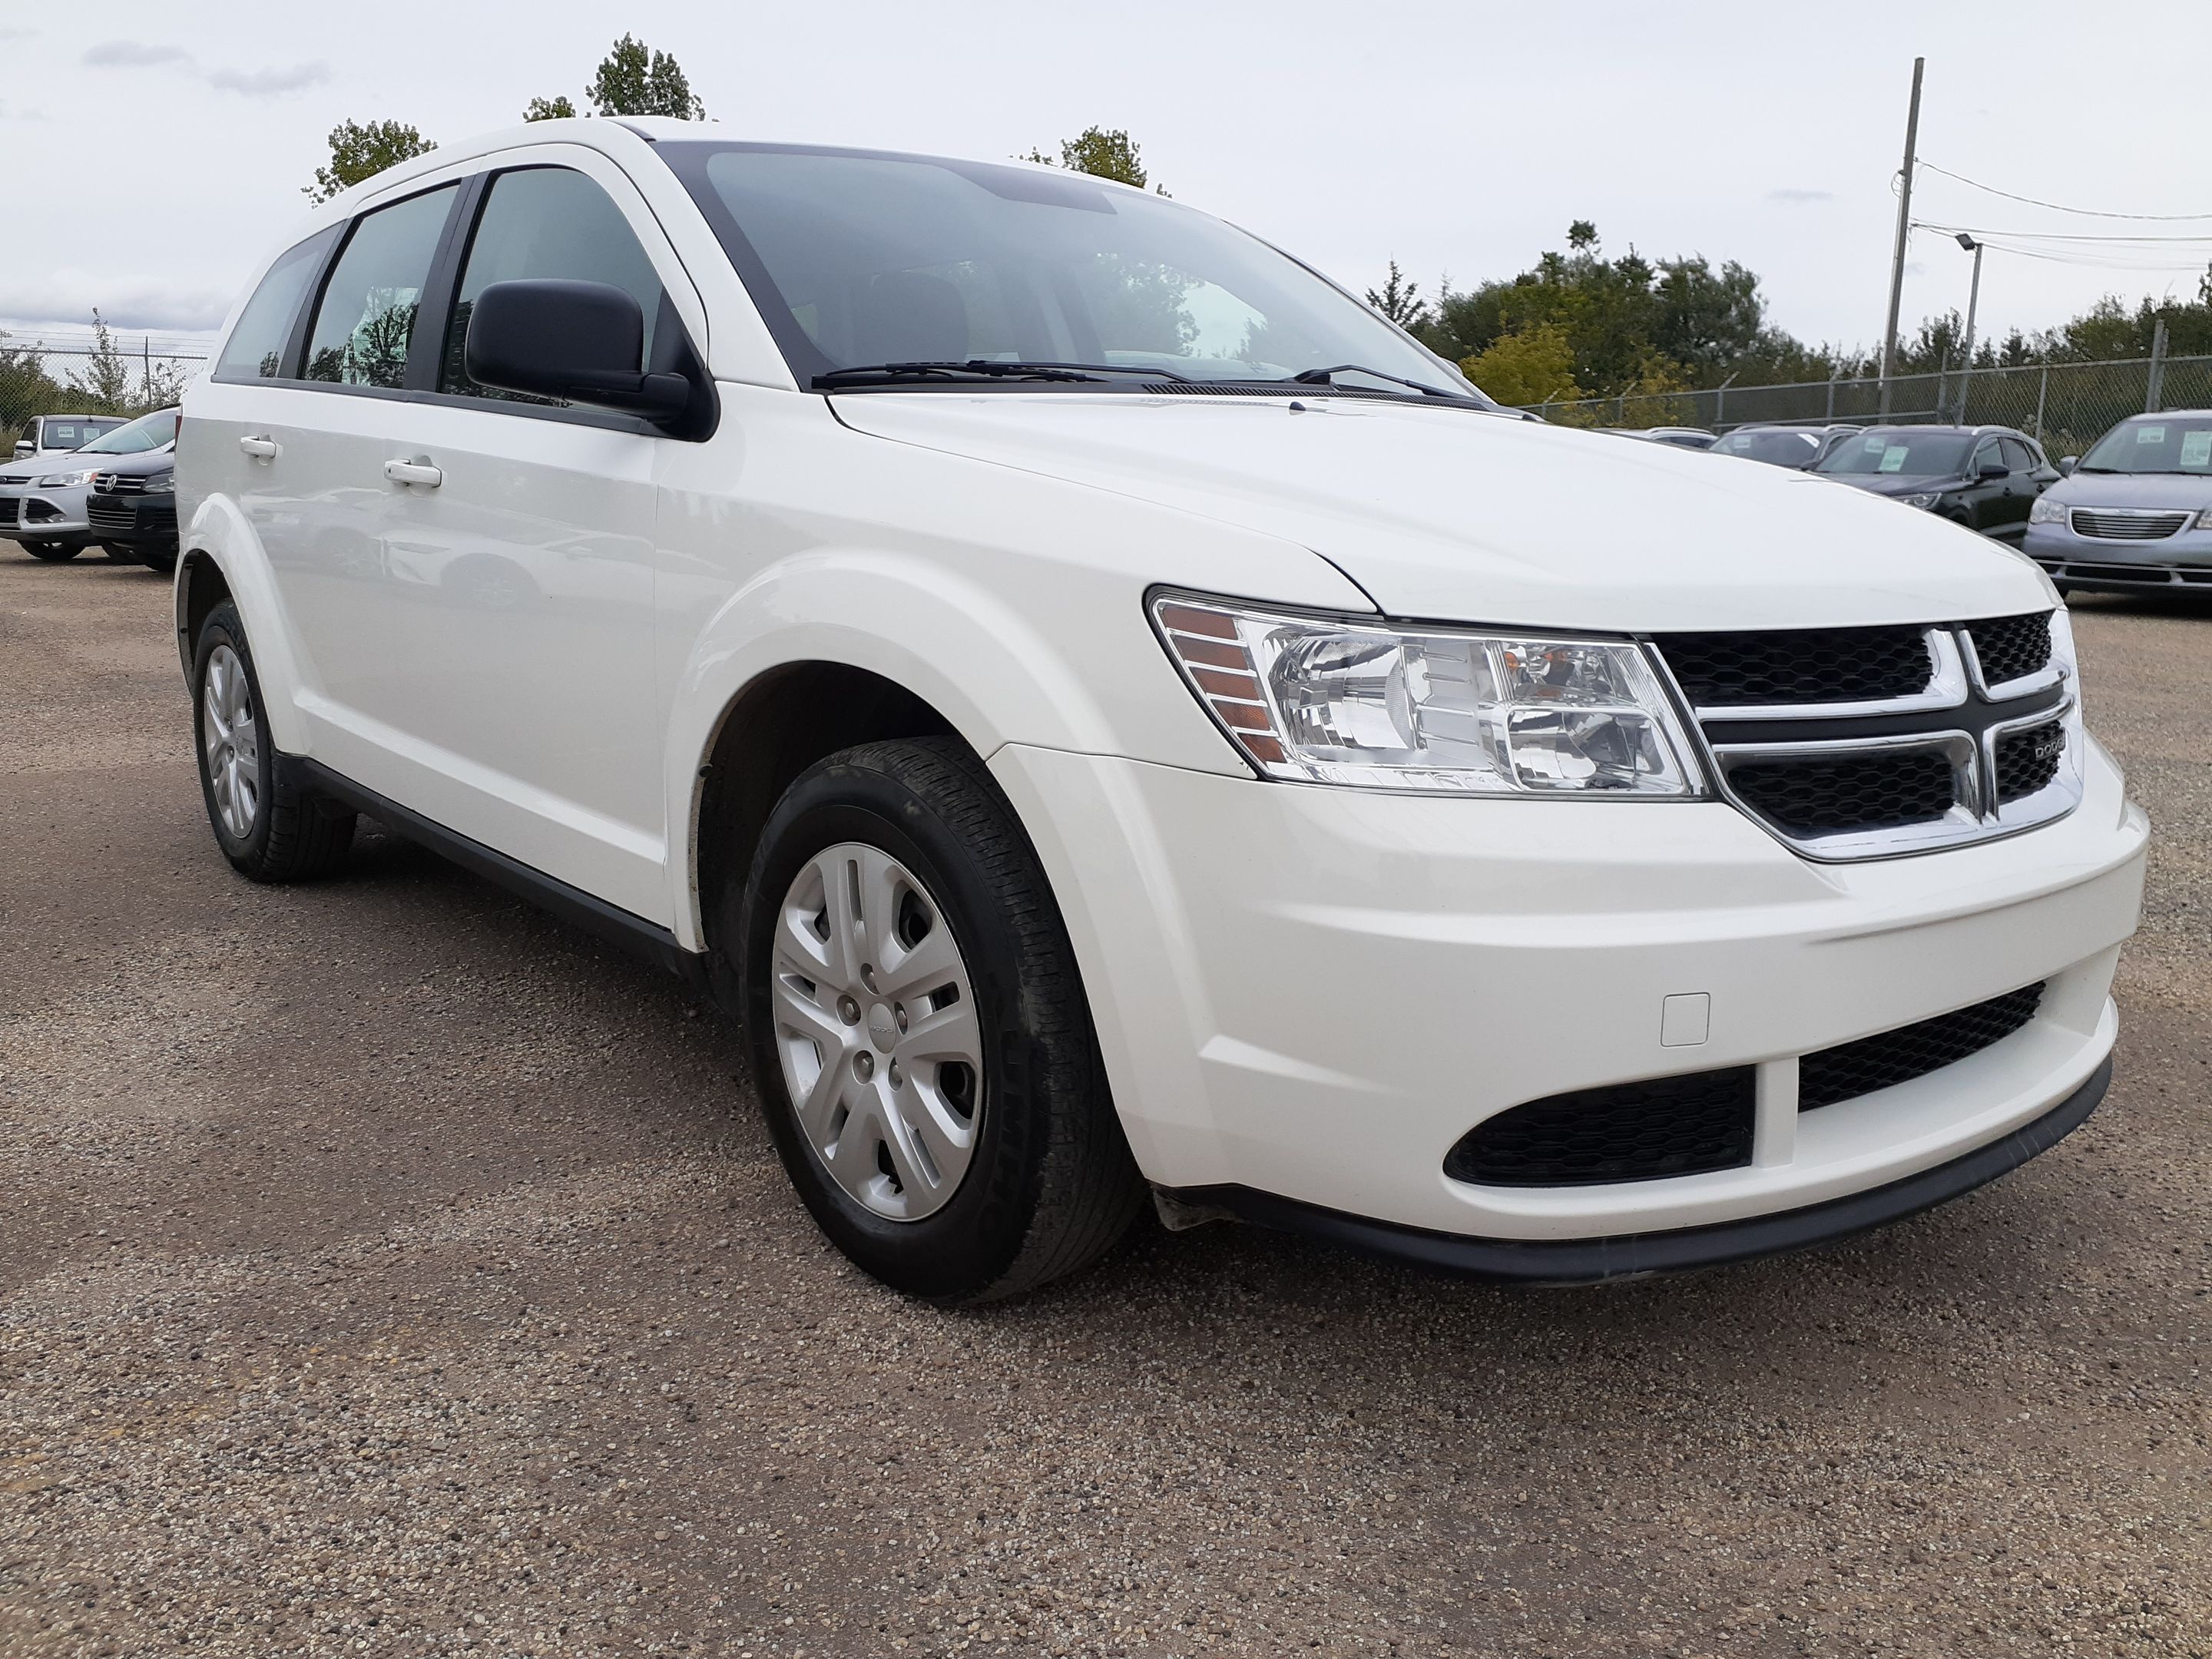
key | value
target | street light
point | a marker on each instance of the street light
(1973, 302)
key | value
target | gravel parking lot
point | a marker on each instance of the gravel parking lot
(385, 1269)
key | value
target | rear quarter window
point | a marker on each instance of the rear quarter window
(256, 348)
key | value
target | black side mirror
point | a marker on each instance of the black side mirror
(580, 342)
(2067, 464)
(1993, 469)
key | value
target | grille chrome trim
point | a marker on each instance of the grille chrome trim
(2126, 524)
(1985, 715)
(1947, 688)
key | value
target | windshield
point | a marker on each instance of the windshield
(2168, 443)
(1778, 448)
(73, 434)
(147, 432)
(857, 258)
(1913, 454)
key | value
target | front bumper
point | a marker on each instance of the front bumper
(133, 520)
(2177, 564)
(40, 515)
(1312, 994)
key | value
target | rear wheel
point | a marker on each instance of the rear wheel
(921, 1040)
(268, 827)
(52, 552)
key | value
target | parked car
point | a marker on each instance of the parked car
(2135, 513)
(42, 501)
(1800, 446)
(1985, 477)
(1092, 737)
(1681, 437)
(57, 434)
(132, 508)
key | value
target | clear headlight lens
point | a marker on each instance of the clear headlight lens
(1926, 500)
(1314, 701)
(2204, 519)
(62, 481)
(160, 482)
(2046, 511)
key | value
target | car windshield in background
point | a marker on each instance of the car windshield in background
(859, 260)
(75, 435)
(2167, 443)
(147, 432)
(1779, 448)
(1908, 454)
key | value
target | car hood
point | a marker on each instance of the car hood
(1451, 514)
(136, 465)
(2151, 490)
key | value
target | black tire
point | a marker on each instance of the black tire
(53, 552)
(294, 836)
(163, 559)
(1051, 1186)
(118, 554)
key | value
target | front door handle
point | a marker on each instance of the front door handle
(413, 472)
(263, 449)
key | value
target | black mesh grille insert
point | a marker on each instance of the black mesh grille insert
(1668, 1126)
(1876, 1062)
(1881, 790)
(10, 506)
(2012, 647)
(1814, 665)
(2028, 760)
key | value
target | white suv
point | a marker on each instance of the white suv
(1107, 708)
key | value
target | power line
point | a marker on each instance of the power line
(2055, 235)
(2085, 213)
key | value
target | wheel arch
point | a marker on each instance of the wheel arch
(220, 558)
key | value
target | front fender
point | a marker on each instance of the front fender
(220, 532)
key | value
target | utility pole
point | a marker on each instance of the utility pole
(1903, 223)
(1973, 304)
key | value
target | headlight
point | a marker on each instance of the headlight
(161, 483)
(2204, 519)
(2046, 511)
(1926, 500)
(63, 480)
(1315, 700)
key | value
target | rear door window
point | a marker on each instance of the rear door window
(256, 348)
(365, 325)
(541, 223)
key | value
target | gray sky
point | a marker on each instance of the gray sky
(155, 149)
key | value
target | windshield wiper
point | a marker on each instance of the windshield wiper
(987, 369)
(1328, 377)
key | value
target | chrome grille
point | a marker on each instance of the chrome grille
(104, 515)
(1985, 741)
(119, 484)
(2122, 523)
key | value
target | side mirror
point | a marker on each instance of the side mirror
(23, 448)
(579, 342)
(2067, 464)
(1994, 469)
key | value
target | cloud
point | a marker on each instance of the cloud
(129, 54)
(268, 82)
(65, 300)
(16, 112)
(1801, 196)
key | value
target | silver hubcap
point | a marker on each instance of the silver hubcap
(232, 742)
(875, 1024)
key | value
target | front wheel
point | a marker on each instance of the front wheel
(921, 1040)
(162, 559)
(268, 827)
(119, 553)
(53, 552)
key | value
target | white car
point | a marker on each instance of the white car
(978, 620)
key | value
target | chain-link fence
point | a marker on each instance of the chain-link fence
(37, 379)
(2066, 406)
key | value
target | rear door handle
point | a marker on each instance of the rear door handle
(260, 448)
(413, 472)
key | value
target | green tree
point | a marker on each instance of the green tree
(360, 151)
(632, 81)
(25, 388)
(549, 109)
(103, 385)
(1535, 365)
(1103, 154)
(1400, 301)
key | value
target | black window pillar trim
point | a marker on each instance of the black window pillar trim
(425, 345)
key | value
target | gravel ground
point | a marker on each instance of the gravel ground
(384, 1269)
